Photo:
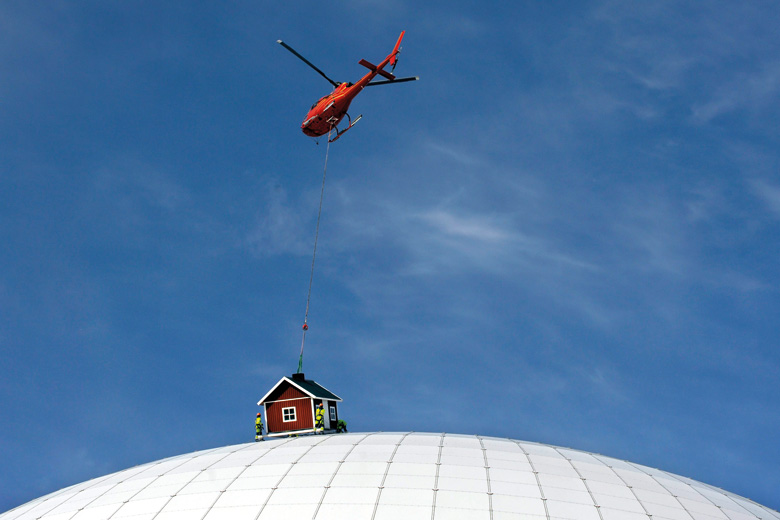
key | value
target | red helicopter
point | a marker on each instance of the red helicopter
(326, 113)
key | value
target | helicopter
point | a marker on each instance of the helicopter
(329, 110)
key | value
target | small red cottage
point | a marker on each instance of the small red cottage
(289, 406)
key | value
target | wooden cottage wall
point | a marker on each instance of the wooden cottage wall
(285, 397)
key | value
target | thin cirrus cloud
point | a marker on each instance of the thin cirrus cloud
(484, 242)
(749, 91)
(769, 194)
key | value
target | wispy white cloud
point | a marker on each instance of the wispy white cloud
(654, 234)
(440, 241)
(279, 225)
(449, 241)
(476, 229)
(705, 202)
(733, 280)
(678, 48)
(768, 193)
(647, 56)
(129, 189)
(442, 247)
(748, 91)
(453, 23)
(604, 382)
(584, 254)
(459, 155)
(158, 188)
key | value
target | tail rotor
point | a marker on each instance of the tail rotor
(396, 50)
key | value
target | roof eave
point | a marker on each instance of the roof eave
(311, 395)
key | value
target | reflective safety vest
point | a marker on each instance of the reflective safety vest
(259, 424)
(320, 416)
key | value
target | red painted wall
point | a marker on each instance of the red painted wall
(304, 419)
(285, 391)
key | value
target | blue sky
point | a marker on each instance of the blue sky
(566, 232)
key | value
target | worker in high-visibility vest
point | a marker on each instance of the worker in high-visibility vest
(259, 428)
(319, 424)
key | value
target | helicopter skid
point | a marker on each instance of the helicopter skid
(339, 133)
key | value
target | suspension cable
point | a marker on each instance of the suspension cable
(314, 254)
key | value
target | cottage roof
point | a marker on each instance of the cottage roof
(307, 386)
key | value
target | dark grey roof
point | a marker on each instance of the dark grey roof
(309, 387)
(313, 388)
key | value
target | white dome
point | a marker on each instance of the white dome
(391, 476)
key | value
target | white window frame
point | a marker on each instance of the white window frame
(287, 416)
(333, 413)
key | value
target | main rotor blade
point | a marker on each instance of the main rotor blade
(307, 62)
(398, 80)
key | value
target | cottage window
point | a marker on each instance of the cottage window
(332, 413)
(288, 414)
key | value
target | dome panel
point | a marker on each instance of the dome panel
(391, 476)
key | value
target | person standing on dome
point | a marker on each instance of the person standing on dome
(259, 428)
(319, 425)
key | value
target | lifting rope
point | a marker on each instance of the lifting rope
(314, 254)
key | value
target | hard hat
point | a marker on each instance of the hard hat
(258, 414)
